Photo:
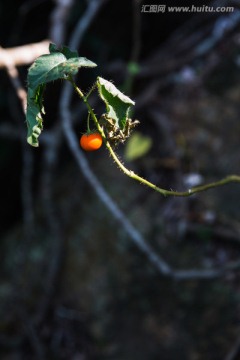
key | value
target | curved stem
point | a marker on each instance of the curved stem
(88, 126)
(228, 179)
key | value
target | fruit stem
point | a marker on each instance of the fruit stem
(88, 127)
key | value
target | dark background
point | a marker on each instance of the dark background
(73, 283)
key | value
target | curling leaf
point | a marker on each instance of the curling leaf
(34, 115)
(59, 64)
(117, 104)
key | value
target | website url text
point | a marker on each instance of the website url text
(190, 9)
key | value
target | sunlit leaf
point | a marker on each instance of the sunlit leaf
(54, 66)
(117, 104)
(59, 64)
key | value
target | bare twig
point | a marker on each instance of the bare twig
(49, 162)
(50, 157)
(8, 62)
(10, 58)
(59, 18)
(27, 166)
(93, 7)
(192, 274)
(23, 55)
(182, 48)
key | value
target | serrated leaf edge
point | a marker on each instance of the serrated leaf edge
(111, 88)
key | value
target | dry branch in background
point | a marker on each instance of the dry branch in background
(8, 63)
(23, 55)
(59, 18)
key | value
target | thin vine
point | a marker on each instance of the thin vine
(228, 179)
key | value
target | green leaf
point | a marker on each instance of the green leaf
(59, 64)
(137, 146)
(117, 104)
(34, 114)
(70, 54)
(54, 66)
(64, 50)
(53, 48)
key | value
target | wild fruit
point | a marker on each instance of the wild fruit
(91, 142)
